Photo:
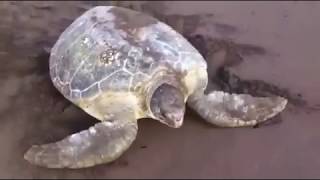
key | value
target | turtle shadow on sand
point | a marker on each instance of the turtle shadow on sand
(222, 78)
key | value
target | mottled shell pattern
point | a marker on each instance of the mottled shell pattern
(112, 50)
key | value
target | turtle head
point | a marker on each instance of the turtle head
(168, 106)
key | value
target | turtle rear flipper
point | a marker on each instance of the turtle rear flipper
(236, 110)
(101, 143)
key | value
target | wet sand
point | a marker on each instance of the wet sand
(281, 49)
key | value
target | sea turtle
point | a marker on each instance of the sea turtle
(121, 65)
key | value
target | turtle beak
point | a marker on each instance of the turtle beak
(174, 119)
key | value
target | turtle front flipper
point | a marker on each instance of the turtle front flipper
(236, 110)
(101, 143)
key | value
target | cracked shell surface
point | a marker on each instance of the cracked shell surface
(110, 49)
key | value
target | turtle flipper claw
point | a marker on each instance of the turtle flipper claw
(236, 110)
(101, 143)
